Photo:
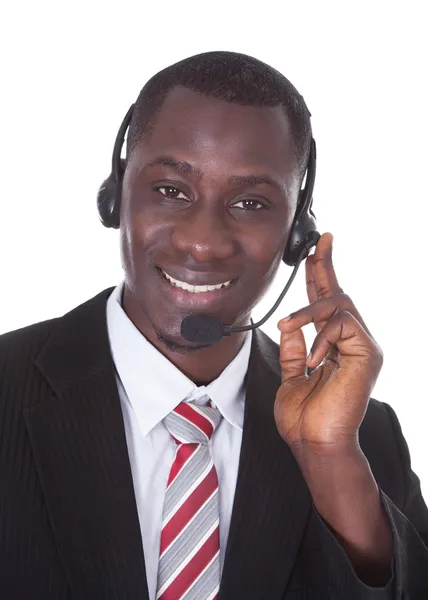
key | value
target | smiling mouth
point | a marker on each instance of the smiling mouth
(194, 289)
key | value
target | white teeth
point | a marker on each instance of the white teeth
(194, 289)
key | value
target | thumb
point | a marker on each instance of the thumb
(292, 355)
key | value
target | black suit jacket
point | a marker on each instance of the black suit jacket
(69, 527)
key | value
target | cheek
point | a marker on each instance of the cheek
(140, 236)
(271, 269)
(125, 245)
(132, 242)
(266, 254)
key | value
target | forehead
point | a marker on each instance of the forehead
(205, 130)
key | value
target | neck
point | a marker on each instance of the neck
(205, 364)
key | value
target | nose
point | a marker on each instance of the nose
(203, 234)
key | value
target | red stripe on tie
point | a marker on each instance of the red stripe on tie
(188, 509)
(193, 569)
(184, 452)
(186, 411)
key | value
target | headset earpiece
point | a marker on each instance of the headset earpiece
(108, 199)
(110, 191)
(303, 234)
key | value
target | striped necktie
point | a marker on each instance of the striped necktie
(189, 563)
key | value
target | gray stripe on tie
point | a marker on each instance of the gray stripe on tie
(183, 430)
(207, 582)
(185, 542)
(191, 471)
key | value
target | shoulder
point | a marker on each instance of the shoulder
(23, 345)
(21, 349)
(20, 380)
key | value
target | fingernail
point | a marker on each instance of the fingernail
(308, 360)
(285, 319)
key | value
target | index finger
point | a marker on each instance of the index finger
(322, 266)
(311, 287)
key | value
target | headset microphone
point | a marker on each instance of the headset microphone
(206, 329)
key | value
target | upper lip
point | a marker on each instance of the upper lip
(193, 278)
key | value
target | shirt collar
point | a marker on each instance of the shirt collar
(154, 386)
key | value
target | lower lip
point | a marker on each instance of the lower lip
(192, 300)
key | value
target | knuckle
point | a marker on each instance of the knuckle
(379, 356)
(295, 365)
(343, 299)
(322, 339)
(323, 291)
(346, 314)
(376, 361)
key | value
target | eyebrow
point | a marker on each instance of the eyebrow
(181, 166)
(252, 180)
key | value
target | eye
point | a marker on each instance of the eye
(249, 204)
(171, 192)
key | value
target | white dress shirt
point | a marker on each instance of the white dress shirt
(150, 387)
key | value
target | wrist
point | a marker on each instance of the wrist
(333, 474)
(319, 455)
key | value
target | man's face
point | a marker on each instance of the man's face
(208, 198)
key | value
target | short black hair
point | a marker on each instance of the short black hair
(231, 77)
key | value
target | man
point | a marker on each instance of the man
(296, 484)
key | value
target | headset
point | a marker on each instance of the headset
(303, 233)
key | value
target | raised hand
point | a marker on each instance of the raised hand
(324, 410)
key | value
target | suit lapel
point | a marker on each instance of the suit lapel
(272, 501)
(78, 441)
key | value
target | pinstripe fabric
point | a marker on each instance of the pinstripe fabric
(189, 565)
(69, 526)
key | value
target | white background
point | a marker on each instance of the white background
(71, 70)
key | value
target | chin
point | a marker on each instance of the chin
(171, 339)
